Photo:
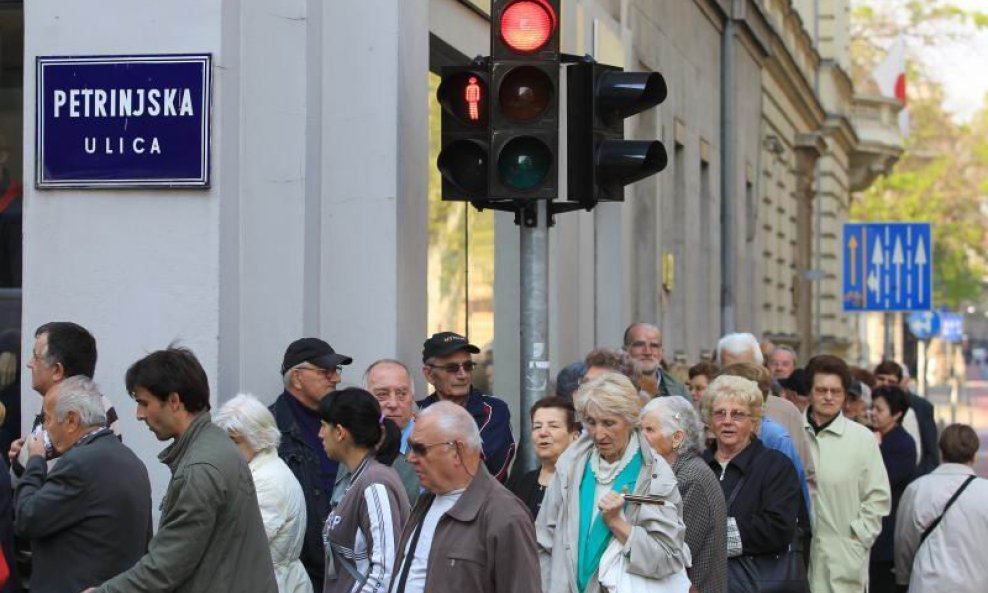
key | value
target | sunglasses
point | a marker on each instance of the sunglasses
(454, 367)
(421, 449)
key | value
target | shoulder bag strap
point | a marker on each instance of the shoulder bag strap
(936, 522)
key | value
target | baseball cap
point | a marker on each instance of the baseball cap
(313, 351)
(446, 343)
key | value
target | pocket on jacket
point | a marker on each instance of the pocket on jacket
(463, 570)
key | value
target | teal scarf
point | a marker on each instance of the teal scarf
(594, 534)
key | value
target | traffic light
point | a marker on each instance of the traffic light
(600, 161)
(524, 118)
(464, 158)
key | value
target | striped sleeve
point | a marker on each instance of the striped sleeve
(381, 538)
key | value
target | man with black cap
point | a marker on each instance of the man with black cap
(311, 369)
(447, 364)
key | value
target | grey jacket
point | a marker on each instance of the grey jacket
(210, 537)
(88, 518)
(656, 547)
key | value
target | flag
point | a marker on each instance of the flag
(891, 78)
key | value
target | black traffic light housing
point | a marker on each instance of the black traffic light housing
(464, 157)
(600, 161)
(524, 93)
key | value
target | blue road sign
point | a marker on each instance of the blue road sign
(888, 266)
(924, 324)
(952, 327)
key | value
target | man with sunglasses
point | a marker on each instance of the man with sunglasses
(447, 366)
(310, 370)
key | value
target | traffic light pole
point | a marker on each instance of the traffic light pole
(534, 319)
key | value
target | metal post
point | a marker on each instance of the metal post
(534, 319)
(727, 180)
(921, 368)
(889, 348)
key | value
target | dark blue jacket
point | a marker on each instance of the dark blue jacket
(494, 421)
(929, 444)
(899, 454)
(298, 454)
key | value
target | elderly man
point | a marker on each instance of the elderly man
(643, 341)
(62, 349)
(89, 518)
(782, 362)
(210, 536)
(467, 532)
(391, 383)
(447, 364)
(310, 369)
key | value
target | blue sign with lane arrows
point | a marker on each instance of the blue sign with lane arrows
(888, 266)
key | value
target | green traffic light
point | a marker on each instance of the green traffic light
(524, 163)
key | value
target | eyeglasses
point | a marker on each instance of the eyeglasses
(421, 449)
(454, 367)
(737, 415)
(328, 373)
(826, 390)
(642, 344)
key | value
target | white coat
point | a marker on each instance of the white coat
(283, 512)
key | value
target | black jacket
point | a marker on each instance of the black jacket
(89, 518)
(296, 452)
(899, 454)
(769, 501)
(930, 458)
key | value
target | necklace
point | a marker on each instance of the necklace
(605, 472)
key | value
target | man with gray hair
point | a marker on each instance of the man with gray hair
(467, 532)
(89, 517)
(782, 362)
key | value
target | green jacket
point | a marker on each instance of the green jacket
(210, 537)
(670, 386)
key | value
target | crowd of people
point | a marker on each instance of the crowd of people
(753, 474)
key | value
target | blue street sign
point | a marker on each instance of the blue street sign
(924, 324)
(123, 121)
(888, 266)
(952, 327)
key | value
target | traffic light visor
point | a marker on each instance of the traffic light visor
(527, 25)
(524, 163)
(464, 96)
(525, 93)
(464, 164)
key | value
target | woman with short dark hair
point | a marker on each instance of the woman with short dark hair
(554, 428)
(889, 405)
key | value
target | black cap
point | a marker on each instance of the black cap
(446, 343)
(798, 381)
(313, 351)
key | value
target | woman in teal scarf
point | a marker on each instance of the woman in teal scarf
(585, 519)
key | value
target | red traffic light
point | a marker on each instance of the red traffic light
(527, 25)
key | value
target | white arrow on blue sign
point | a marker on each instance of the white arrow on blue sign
(888, 266)
(924, 324)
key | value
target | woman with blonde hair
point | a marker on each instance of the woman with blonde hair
(611, 519)
(279, 495)
(761, 490)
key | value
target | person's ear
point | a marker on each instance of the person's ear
(57, 372)
(174, 401)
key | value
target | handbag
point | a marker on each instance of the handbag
(614, 576)
(784, 572)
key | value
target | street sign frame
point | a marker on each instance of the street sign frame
(887, 267)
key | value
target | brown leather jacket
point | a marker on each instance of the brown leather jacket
(484, 544)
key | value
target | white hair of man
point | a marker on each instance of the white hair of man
(455, 423)
(788, 350)
(739, 344)
(246, 417)
(81, 395)
(398, 363)
(676, 413)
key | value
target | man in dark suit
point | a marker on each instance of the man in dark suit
(89, 516)
(919, 421)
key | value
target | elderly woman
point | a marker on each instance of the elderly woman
(590, 538)
(673, 429)
(759, 484)
(554, 428)
(253, 429)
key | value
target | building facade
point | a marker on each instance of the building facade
(323, 217)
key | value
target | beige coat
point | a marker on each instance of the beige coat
(788, 415)
(852, 497)
(656, 547)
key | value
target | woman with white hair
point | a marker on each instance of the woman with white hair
(611, 519)
(761, 488)
(279, 495)
(673, 429)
